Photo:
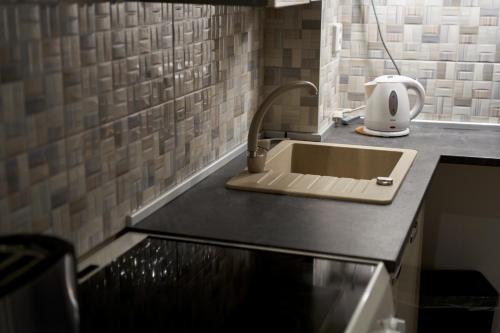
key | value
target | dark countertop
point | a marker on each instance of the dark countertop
(356, 230)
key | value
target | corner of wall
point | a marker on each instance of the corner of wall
(292, 52)
(298, 47)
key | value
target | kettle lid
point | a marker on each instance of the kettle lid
(391, 79)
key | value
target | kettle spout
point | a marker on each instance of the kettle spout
(369, 87)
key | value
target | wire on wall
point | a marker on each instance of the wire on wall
(382, 38)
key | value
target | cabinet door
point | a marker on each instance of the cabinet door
(285, 3)
(406, 283)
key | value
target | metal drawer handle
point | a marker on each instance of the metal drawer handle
(413, 233)
(396, 273)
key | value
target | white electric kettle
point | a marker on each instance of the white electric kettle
(388, 110)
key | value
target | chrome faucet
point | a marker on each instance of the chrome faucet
(256, 157)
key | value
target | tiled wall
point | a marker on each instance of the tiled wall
(292, 52)
(297, 46)
(329, 64)
(450, 46)
(106, 105)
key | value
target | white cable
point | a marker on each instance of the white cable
(382, 38)
(356, 109)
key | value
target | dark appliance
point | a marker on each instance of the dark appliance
(37, 285)
(167, 285)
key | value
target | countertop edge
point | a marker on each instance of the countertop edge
(433, 161)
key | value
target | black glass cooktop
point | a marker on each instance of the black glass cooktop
(163, 285)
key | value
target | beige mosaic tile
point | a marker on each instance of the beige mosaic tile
(292, 52)
(329, 64)
(454, 91)
(298, 47)
(106, 105)
(449, 46)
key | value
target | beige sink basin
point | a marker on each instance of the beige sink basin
(331, 171)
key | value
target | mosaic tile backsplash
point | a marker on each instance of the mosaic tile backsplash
(329, 65)
(292, 52)
(450, 46)
(297, 46)
(106, 105)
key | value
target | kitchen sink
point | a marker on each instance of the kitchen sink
(332, 171)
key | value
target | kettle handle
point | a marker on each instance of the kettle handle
(414, 85)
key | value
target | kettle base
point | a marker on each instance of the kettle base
(367, 131)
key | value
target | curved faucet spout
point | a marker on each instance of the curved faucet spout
(257, 157)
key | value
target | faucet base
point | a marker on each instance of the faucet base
(256, 161)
